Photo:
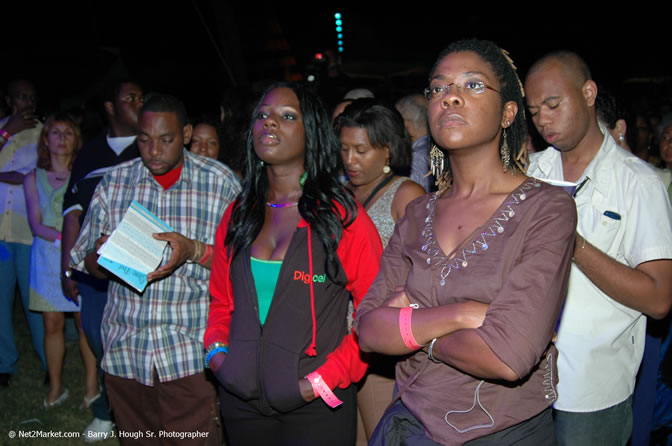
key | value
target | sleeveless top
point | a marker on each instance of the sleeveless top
(50, 200)
(265, 274)
(45, 257)
(381, 211)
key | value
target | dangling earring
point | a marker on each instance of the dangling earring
(386, 169)
(436, 159)
(504, 151)
(261, 163)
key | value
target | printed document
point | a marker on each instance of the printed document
(131, 252)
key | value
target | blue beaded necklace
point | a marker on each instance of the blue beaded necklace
(302, 180)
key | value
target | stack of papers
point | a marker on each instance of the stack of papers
(131, 252)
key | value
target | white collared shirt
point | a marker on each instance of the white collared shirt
(624, 211)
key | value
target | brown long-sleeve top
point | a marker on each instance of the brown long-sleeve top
(518, 262)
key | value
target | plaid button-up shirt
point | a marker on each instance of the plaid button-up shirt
(163, 327)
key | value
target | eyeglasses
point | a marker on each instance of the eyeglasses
(473, 88)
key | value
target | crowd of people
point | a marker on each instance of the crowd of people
(377, 272)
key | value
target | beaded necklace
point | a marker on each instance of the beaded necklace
(493, 227)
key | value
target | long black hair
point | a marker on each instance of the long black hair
(511, 89)
(322, 192)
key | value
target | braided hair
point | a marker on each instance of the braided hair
(511, 89)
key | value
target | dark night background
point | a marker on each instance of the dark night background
(198, 49)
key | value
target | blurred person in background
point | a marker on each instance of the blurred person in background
(44, 189)
(414, 110)
(19, 136)
(113, 145)
(376, 148)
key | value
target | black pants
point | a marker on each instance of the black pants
(313, 424)
(400, 427)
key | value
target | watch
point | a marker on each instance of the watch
(67, 274)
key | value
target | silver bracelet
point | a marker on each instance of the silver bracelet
(215, 345)
(198, 252)
(431, 351)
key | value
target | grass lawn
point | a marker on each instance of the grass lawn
(21, 411)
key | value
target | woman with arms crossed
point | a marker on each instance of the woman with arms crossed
(473, 279)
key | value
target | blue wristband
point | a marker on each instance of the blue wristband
(213, 352)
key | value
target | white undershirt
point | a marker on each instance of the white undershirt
(118, 144)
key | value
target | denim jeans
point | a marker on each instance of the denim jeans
(15, 268)
(93, 300)
(607, 427)
(644, 398)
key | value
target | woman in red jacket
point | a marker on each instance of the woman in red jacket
(288, 254)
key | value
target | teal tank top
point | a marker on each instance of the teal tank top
(265, 274)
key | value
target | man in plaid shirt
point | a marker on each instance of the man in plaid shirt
(153, 341)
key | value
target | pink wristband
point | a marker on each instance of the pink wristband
(5, 134)
(322, 389)
(405, 329)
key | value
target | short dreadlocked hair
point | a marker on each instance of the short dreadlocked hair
(511, 89)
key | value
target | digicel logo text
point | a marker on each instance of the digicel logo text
(305, 277)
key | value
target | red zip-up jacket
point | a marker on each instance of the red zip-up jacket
(304, 331)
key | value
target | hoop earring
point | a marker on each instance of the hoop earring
(504, 152)
(436, 158)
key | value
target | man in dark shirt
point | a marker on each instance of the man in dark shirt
(113, 146)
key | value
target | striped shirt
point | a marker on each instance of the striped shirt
(19, 154)
(163, 327)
